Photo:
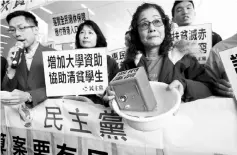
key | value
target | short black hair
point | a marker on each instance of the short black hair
(100, 42)
(28, 16)
(176, 3)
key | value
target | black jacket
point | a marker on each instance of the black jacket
(197, 83)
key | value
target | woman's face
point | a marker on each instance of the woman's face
(87, 37)
(150, 28)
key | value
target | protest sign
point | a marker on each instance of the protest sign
(118, 55)
(75, 72)
(65, 25)
(199, 34)
(229, 60)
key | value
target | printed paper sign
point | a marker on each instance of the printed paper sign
(65, 25)
(202, 34)
(118, 55)
(75, 72)
(229, 60)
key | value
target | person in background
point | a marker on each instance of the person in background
(216, 68)
(151, 36)
(127, 38)
(26, 83)
(183, 13)
(3, 68)
(89, 35)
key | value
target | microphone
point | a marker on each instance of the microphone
(17, 55)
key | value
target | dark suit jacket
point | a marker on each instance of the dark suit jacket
(32, 81)
(3, 68)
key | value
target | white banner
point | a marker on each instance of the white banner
(75, 72)
(65, 25)
(75, 127)
(62, 126)
(229, 60)
(200, 34)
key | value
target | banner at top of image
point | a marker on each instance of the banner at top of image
(65, 25)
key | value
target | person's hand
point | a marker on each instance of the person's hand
(176, 84)
(187, 46)
(11, 55)
(223, 88)
(15, 97)
(109, 96)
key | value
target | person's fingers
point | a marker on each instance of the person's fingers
(224, 82)
(15, 97)
(108, 98)
(110, 94)
(16, 90)
(10, 102)
(222, 85)
(224, 93)
(176, 84)
(15, 94)
(110, 104)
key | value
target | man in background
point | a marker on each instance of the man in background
(183, 14)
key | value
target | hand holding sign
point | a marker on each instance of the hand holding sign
(187, 46)
(223, 87)
(228, 86)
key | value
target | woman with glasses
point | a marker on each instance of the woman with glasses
(151, 47)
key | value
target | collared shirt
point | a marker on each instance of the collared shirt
(29, 55)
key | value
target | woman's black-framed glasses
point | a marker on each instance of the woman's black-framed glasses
(156, 22)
